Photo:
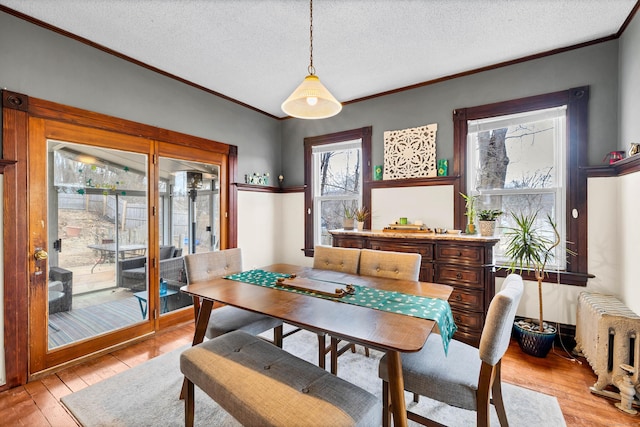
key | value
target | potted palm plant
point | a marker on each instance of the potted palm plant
(529, 248)
(487, 220)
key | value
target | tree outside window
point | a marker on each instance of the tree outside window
(337, 175)
(337, 170)
(516, 166)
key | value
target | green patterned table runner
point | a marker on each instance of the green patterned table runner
(391, 301)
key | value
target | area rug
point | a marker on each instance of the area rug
(77, 324)
(148, 395)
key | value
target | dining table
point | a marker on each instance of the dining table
(385, 330)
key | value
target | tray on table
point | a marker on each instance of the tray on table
(330, 289)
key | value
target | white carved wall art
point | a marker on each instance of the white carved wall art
(410, 153)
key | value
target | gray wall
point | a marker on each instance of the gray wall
(43, 64)
(630, 85)
(46, 65)
(596, 66)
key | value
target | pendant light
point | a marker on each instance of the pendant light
(311, 100)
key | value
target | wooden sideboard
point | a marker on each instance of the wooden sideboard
(462, 261)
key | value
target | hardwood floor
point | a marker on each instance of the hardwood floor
(38, 403)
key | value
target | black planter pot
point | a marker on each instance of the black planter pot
(534, 342)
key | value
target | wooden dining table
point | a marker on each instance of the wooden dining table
(389, 332)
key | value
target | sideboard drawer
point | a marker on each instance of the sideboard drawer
(425, 250)
(460, 254)
(457, 275)
(348, 242)
(468, 336)
(465, 298)
(468, 320)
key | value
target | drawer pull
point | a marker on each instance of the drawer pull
(459, 253)
(457, 319)
(458, 275)
(458, 297)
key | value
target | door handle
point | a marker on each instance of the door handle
(40, 254)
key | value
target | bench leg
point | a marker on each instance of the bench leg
(202, 321)
(189, 404)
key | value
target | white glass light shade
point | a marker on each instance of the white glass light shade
(311, 100)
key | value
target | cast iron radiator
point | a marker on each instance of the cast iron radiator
(608, 335)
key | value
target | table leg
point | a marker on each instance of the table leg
(202, 322)
(396, 389)
(201, 328)
(322, 350)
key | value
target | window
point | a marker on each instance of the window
(337, 174)
(528, 155)
(515, 164)
(337, 185)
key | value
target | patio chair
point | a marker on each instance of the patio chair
(133, 271)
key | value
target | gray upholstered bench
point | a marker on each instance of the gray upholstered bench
(260, 384)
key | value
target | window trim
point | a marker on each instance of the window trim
(364, 134)
(556, 189)
(577, 100)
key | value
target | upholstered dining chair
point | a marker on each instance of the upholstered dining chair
(208, 265)
(345, 260)
(388, 264)
(467, 377)
(392, 265)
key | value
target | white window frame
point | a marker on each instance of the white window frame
(317, 197)
(558, 190)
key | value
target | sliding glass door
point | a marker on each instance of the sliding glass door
(98, 240)
(89, 221)
(106, 209)
(189, 222)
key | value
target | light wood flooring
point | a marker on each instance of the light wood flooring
(38, 403)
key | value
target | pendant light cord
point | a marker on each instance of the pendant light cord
(311, 69)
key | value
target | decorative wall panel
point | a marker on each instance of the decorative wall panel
(410, 153)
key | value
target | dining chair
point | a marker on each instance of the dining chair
(205, 266)
(387, 264)
(345, 260)
(391, 265)
(466, 377)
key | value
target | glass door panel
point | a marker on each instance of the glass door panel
(189, 222)
(98, 241)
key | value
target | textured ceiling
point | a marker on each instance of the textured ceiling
(257, 51)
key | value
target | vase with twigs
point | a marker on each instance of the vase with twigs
(470, 213)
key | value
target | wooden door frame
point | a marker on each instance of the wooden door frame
(17, 110)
